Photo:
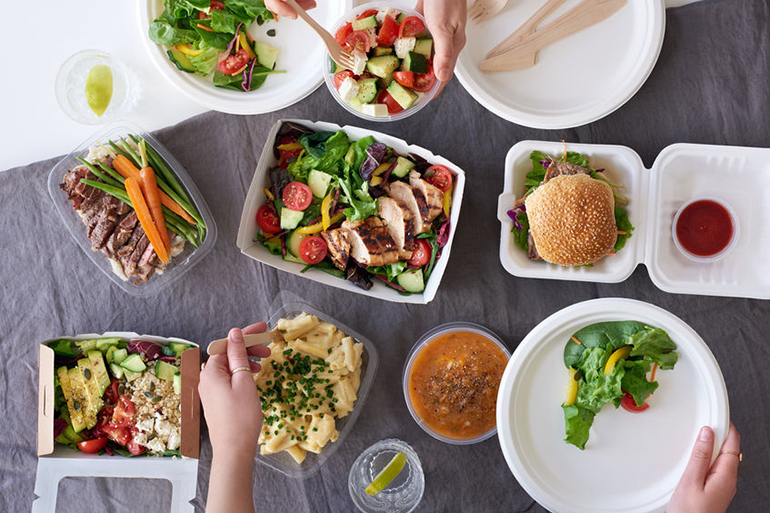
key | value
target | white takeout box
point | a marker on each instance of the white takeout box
(56, 461)
(255, 198)
(739, 176)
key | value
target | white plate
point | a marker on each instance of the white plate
(301, 55)
(605, 66)
(632, 462)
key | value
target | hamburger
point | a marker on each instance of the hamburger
(572, 219)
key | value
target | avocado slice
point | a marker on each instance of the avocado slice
(99, 370)
(80, 397)
(75, 414)
(92, 386)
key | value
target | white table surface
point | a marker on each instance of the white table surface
(34, 127)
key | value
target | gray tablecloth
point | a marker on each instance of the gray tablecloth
(709, 86)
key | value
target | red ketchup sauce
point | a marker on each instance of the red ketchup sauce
(704, 228)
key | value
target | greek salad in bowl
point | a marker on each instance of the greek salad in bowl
(392, 76)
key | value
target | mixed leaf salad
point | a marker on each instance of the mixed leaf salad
(541, 163)
(393, 61)
(118, 396)
(209, 36)
(355, 209)
(609, 362)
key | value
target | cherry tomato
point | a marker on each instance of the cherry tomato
(366, 14)
(388, 32)
(312, 249)
(288, 154)
(111, 394)
(102, 419)
(340, 77)
(215, 6)
(124, 412)
(628, 404)
(92, 446)
(405, 78)
(234, 64)
(439, 176)
(389, 101)
(423, 82)
(119, 435)
(410, 26)
(297, 196)
(358, 39)
(422, 252)
(267, 219)
(343, 32)
(133, 447)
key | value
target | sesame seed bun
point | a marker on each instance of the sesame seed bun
(572, 220)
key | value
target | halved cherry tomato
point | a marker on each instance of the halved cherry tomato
(215, 6)
(133, 447)
(629, 404)
(358, 39)
(267, 219)
(234, 64)
(439, 176)
(423, 82)
(124, 412)
(366, 14)
(343, 32)
(297, 196)
(312, 249)
(102, 419)
(111, 394)
(410, 26)
(119, 435)
(340, 77)
(288, 154)
(92, 446)
(388, 32)
(405, 78)
(389, 101)
(422, 252)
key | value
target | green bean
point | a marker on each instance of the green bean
(110, 189)
(120, 150)
(159, 165)
(130, 151)
(105, 178)
(107, 169)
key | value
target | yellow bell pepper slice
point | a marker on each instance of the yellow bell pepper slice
(376, 180)
(290, 146)
(245, 45)
(381, 168)
(572, 388)
(269, 194)
(187, 49)
(615, 357)
(318, 227)
(447, 202)
(326, 220)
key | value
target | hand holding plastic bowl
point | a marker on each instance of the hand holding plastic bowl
(393, 53)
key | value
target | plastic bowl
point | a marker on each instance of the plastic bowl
(71, 219)
(423, 98)
(716, 256)
(419, 346)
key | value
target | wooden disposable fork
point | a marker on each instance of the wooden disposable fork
(482, 10)
(337, 53)
(526, 28)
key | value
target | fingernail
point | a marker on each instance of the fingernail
(706, 435)
(443, 74)
(236, 335)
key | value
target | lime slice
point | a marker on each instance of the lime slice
(387, 474)
(99, 88)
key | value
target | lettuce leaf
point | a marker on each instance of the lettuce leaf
(206, 61)
(324, 151)
(654, 344)
(577, 422)
(597, 388)
(623, 225)
(635, 380)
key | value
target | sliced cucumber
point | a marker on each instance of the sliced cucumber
(116, 370)
(403, 96)
(108, 355)
(131, 376)
(181, 61)
(179, 347)
(177, 384)
(294, 241)
(365, 23)
(412, 280)
(415, 62)
(119, 355)
(318, 181)
(382, 66)
(367, 90)
(290, 218)
(291, 258)
(167, 351)
(266, 54)
(403, 166)
(379, 51)
(424, 47)
(133, 363)
(165, 370)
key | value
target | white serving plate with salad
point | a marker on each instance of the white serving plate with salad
(301, 55)
(255, 198)
(577, 80)
(632, 461)
(738, 176)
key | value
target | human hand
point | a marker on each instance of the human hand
(704, 490)
(446, 23)
(281, 8)
(230, 401)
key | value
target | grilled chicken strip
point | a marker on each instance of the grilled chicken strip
(339, 246)
(432, 196)
(400, 222)
(414, 202)
(370, 242)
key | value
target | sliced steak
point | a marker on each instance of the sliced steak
(131, 261)
(564, 168)
(431, 195)
(339, 246)
(370, 242)
(147, 264)
(406, 194)
(121, 234)
(400, 222)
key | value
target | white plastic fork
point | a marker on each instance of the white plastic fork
(337, 53)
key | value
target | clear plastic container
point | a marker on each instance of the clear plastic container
(419, 346)
(423, 98)
(282, 461)
(716, 256)
(72, 220)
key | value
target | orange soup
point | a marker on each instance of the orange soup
(453, 383)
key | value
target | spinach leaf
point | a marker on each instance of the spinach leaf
(326, 267)
(635, 380)
(315, 143)
(623, 225)
(163, 33)
(577, 422)
(64, 349)
(213, 39)
(655, 344)
(251, 9)
(224, 21)
(201, 5)
(327, 155)
(177, 9)
(616, 333)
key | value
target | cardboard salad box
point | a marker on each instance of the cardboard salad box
(56, 461)
(255, 198)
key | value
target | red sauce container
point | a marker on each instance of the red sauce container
(705, 229)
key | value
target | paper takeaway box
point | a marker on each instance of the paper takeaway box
(56, 461)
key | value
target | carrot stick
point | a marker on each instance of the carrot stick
(126, 168)
(577, 341)
(145, 218)
(152, 195)
(654, 370)
(519, 201)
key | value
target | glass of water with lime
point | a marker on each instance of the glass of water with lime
(387, 477)
(94, 87)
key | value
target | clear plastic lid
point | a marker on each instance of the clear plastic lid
(72, 220)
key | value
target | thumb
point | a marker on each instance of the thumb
(700, 459)
(236, 355)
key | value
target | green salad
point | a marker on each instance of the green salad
(609, 362)
(208, 37)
